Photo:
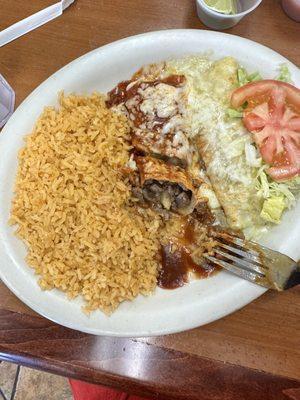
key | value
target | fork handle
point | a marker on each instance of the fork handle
(294, 278)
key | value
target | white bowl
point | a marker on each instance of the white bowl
(219, 21)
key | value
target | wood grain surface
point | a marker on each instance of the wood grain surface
(131, 365)
(251, 354)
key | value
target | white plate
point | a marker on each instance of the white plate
(166, 311)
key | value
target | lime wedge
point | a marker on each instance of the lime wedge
(223, 6)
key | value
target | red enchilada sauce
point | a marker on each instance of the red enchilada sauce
(132, 90)
(176, 265)
(125, 90)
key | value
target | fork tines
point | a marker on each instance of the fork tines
(253, 262)
(243, 261)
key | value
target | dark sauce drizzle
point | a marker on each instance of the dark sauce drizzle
(177, 264)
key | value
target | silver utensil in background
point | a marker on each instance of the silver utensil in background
(33, 21)
(7, 101)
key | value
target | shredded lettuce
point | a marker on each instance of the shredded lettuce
(232, 113)
(269, 189)
(266, 187)
(262, 183)
(254, 77)
(244, 77)
(273, 208)
(284, 74)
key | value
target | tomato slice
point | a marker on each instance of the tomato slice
(255, 89)
(272, 115)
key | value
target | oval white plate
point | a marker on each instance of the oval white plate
(166, 311)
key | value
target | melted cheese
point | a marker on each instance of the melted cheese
(223, 140)
(160, 100)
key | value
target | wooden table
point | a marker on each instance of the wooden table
(251, 354)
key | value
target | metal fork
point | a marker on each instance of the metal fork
(254, 262)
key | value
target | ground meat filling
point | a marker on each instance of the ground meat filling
(170, 195)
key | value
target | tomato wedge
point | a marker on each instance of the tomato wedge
(272, 115)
